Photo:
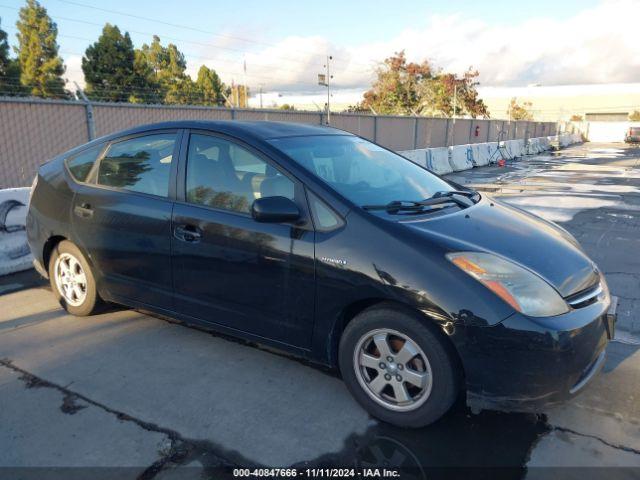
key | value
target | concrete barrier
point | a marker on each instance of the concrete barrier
(461, 157)
(456, 158)
(15, 255)
(480, 154)
(544, 143)
(533, 146)
(506, 150)
(517, 148)
(438, 160)
(494, 152)
(416, 156)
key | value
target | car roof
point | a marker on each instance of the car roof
(259, 130)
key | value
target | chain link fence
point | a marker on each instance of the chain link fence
(35, 130)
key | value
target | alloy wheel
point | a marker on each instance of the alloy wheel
(70, 279)
(392, 369)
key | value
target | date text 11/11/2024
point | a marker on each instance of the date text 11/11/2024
(316, 473)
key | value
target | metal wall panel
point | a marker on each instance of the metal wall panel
(31, 133)
(33, 130)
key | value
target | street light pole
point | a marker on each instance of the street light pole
(324, 79)
(329, 57)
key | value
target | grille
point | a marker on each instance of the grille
(585, 297)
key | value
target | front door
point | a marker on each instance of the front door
(121, 216)
(228, 268)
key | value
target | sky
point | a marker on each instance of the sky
(285, 43)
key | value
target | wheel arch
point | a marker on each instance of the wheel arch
(48, 247)
(354, 309)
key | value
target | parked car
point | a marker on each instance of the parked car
(633, 135)
(333, 248)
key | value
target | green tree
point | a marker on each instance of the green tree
(4, 53)
(286, 106)
(41, 68)
(210, 87)
(357, 108)
(407, 88)
(447, 94)
(635, 116)
(149, 92)
(108, 67)
(9, 68)
(519, 112)
(163, 70)
(395, 91)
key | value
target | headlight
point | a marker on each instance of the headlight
(523, 290)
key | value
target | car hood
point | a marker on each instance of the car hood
(494, 227)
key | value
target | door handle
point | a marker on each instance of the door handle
(188, 233)
(83, 210)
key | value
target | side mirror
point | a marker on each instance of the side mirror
(274, 210)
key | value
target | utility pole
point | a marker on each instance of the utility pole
(325, 81)
(244, 80)
(455, 101)
(260, 91)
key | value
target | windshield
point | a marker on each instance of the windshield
(360, 170)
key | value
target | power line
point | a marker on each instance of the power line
(199, 57)
(104, 92)
(186, 27)
(210, 60)
(151, 34)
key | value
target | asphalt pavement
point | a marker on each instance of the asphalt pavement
(151, 398)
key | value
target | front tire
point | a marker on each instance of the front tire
(398, 367)
(72, 281)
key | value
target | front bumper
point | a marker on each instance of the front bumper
(526, 364)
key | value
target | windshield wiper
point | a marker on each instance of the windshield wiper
(439, 198)
(409, 205)
(465, 193)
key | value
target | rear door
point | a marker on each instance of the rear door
(121, 216)
(229, 269)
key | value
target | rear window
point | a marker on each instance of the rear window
(141, 164)
(80, 165)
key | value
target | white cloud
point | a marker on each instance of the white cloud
(595, 45)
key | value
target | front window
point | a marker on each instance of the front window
(222, 174)
(361, 171)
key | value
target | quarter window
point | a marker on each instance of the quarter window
(222, 174)
(324, 218)
(80, 165)
(141, 164)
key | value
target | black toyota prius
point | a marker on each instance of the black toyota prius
(330, 247)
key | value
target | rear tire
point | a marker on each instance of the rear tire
(72, 281)
(398, 367)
